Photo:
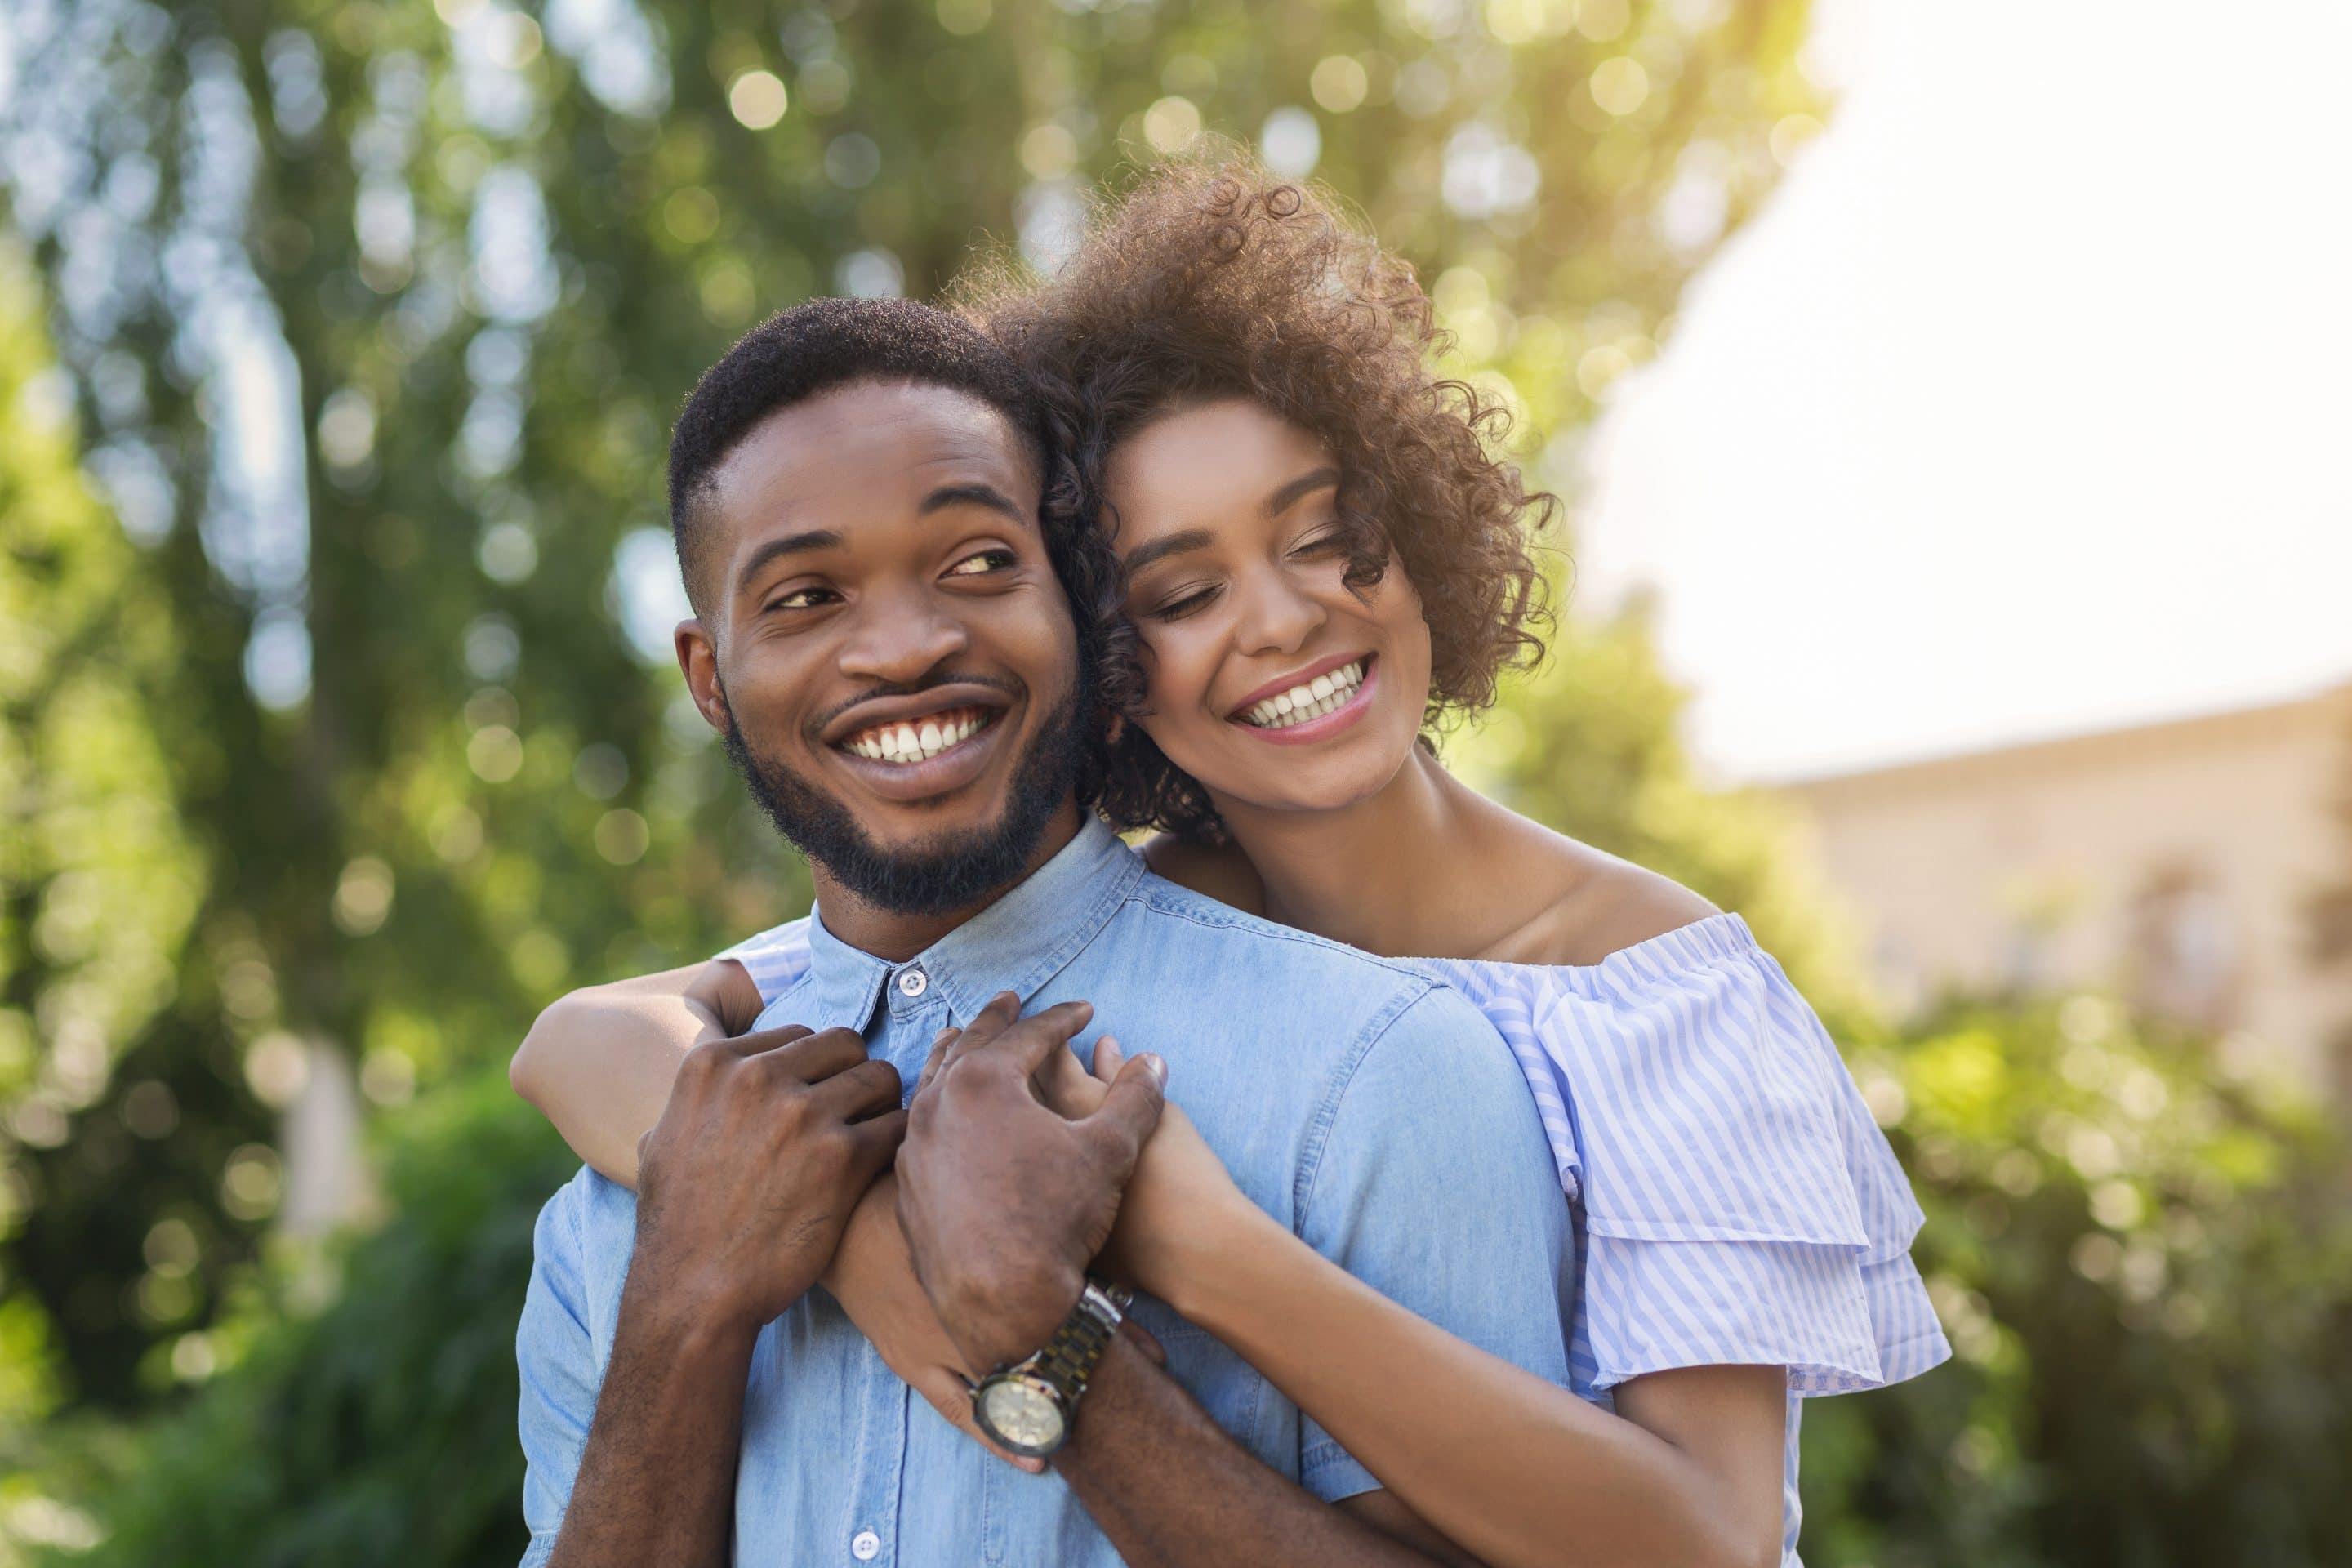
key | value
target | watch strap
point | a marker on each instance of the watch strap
(1069, 1360)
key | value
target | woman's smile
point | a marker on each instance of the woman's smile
(1323, 701)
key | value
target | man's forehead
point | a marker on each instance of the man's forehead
(875, 441)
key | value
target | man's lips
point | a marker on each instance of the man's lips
(913, 707)
(933, 772)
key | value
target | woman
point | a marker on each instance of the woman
(1321, 562)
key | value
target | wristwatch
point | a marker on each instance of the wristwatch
(1027, 1407)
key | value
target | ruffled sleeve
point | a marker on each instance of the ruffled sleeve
(1738, 1204)
(775, 959)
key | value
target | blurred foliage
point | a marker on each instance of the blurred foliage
(372, 1424)
(2145, 1265)
(2331, 933)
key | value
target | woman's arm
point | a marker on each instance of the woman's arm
(1515, 1469)
(598, 1062)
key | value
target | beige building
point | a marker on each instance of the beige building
(2172, 863)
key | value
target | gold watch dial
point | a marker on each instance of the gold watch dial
(1022, 1415)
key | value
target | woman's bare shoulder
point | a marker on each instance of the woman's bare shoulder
(1596, 905)
(1218, 871)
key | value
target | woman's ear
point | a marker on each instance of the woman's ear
(1117, 728)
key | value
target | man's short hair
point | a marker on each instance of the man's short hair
(813, 348)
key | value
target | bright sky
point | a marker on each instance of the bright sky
(2026, 407)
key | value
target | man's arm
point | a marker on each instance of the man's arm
(1003, 1203)
(1171, 1487)
(766, 1145)
(657, 1480)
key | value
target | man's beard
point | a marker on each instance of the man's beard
(934, 875)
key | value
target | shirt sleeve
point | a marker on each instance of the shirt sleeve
(1433, 1183)
(561, 1376)
(776, 959)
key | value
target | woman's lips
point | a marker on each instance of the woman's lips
(1324, 725)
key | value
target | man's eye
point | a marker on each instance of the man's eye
(981, 563)
(801, 599)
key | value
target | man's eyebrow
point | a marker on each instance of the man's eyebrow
(1173, 544)
(974, 494)
(789, 544)
(1283, 500)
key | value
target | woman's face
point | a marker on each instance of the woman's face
(1269, 679)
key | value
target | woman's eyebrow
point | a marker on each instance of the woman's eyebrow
(1306, 484)
(1174, 544)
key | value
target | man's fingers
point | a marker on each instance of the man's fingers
(986, 1025)
(858, 1090)
(1027, 1044)
(877, 1140)
(1131, 1110)
(819, 1057)
(939, 1048)
(760, 1040)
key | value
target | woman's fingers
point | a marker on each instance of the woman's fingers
(1108, 1058)
(951, 1397)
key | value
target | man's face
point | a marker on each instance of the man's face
(888, 651)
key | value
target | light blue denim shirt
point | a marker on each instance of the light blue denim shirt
(1376, 1113)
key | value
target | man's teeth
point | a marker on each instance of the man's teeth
(918, 739)
(1310, 700)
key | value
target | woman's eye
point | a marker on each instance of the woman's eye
(981, 563)
(1326, 543)
(1177, 609)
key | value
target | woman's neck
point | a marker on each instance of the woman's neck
(1389, 873)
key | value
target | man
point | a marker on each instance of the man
(883, 640)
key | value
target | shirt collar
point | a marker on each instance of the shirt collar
(1016, 943)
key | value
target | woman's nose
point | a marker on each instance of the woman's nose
(1276, 614)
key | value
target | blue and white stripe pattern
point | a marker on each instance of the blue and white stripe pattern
(1736, 1202)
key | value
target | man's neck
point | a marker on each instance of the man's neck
(894, 937)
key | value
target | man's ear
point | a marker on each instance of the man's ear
(698, 660)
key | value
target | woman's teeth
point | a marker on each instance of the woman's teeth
(1311, 699)
(918, 739)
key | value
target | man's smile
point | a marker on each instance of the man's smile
(923, 745)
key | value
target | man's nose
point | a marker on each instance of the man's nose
(902, 639)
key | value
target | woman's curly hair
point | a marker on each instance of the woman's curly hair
(1216, 279)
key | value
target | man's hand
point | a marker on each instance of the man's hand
(768, 1142)
(1004, 1201)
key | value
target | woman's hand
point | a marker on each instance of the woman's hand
(1180, 1202)
(872, 1277)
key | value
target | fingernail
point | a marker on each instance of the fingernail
(1157, 1066)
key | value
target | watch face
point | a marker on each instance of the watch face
(1021, 1414)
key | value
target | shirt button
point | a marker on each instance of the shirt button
(913, 983)
(865, 1546)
